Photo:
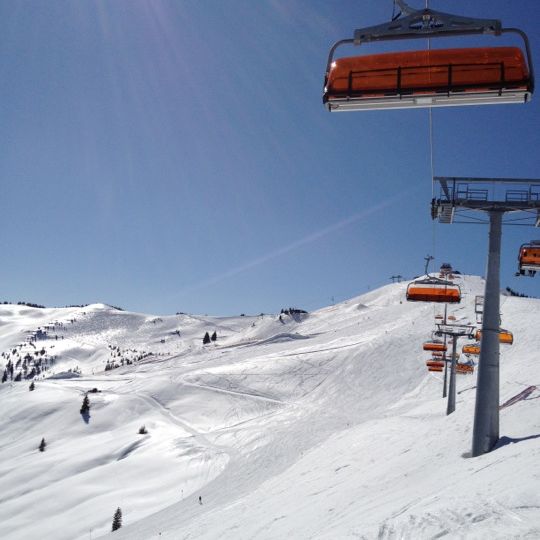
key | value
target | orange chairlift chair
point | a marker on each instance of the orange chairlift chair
(471, 348)
(434, 345)
(464, 369)
(529, 259)
(434, 363)
(428, 78)
(433, 368)
(432, 289)
(505, 336)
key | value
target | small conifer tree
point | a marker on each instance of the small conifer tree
(143, 430)
(214, 336)
(32, 386)
(85, 407)
(117, 519)
(206, 339)
(42, 445)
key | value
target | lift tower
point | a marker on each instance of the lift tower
(454, 331)
(459, 201)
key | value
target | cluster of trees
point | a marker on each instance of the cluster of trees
(124, 357)
(32, 364)
(511, 292)
(41, 333)
(29, 304)
(113, 365)
(209, 338)
(32, 304)
(86, 305)
(26, 357)
(292, 311)
(26, 361)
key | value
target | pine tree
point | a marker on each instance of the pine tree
(42, 445)
(85, 407)
(117, 519)
(5, 376)
(206, 338)
(32, 386)
(214, 336)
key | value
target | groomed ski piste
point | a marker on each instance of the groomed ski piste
(324, 425)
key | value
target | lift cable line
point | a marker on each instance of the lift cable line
(405, 8)
(428, 258)
(432, 78)
(432, 171)
(494, 197)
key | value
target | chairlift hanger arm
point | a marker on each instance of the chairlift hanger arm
(525, 39)
(427, 23)
(405, 8)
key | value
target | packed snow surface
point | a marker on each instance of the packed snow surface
(325, 425)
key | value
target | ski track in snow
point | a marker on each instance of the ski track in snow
(199, 437)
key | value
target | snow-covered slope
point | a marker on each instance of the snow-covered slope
(324, 425)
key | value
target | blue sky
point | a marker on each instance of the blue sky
(173, 156)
